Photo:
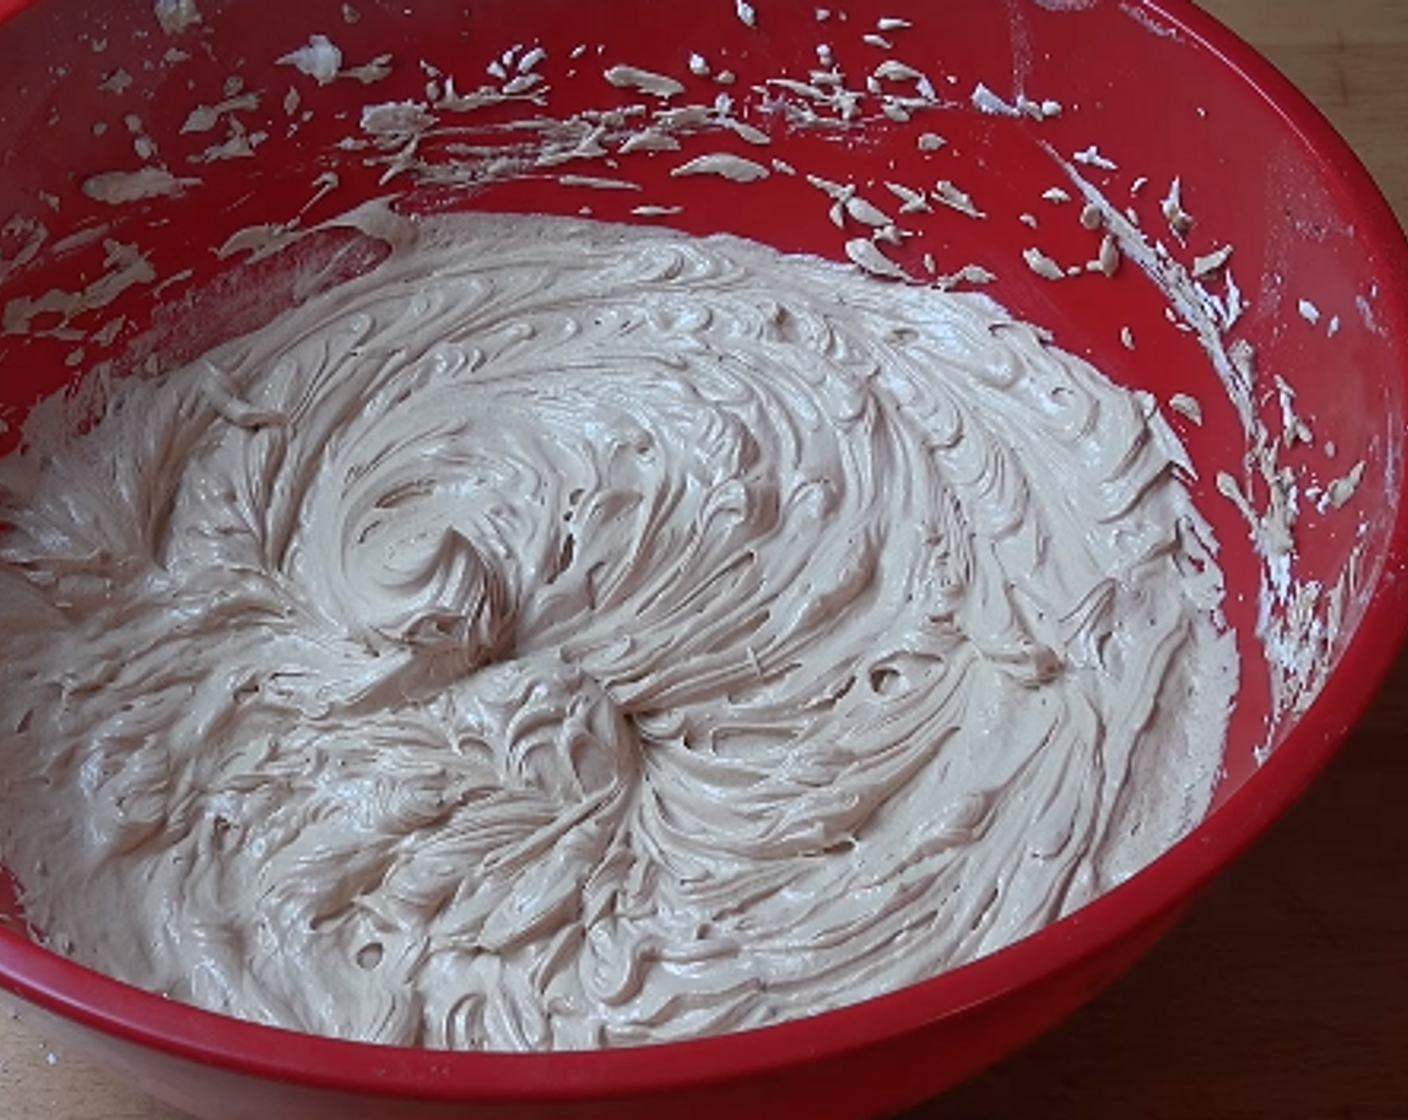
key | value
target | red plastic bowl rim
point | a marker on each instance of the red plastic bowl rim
(123, 1012)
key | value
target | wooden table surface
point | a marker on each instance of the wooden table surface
(1284, 995)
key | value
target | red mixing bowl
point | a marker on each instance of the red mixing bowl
(1157, 89)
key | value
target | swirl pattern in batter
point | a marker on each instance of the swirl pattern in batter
(570, 635)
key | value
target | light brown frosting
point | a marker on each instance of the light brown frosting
(571, 635)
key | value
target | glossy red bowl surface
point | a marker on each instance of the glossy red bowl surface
(1159, 88)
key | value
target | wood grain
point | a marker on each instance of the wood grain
(1271, 25)
(1284, 995)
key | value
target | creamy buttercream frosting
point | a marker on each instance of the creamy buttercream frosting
(570, 635)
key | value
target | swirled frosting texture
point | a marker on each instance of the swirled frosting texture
(572, 636)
